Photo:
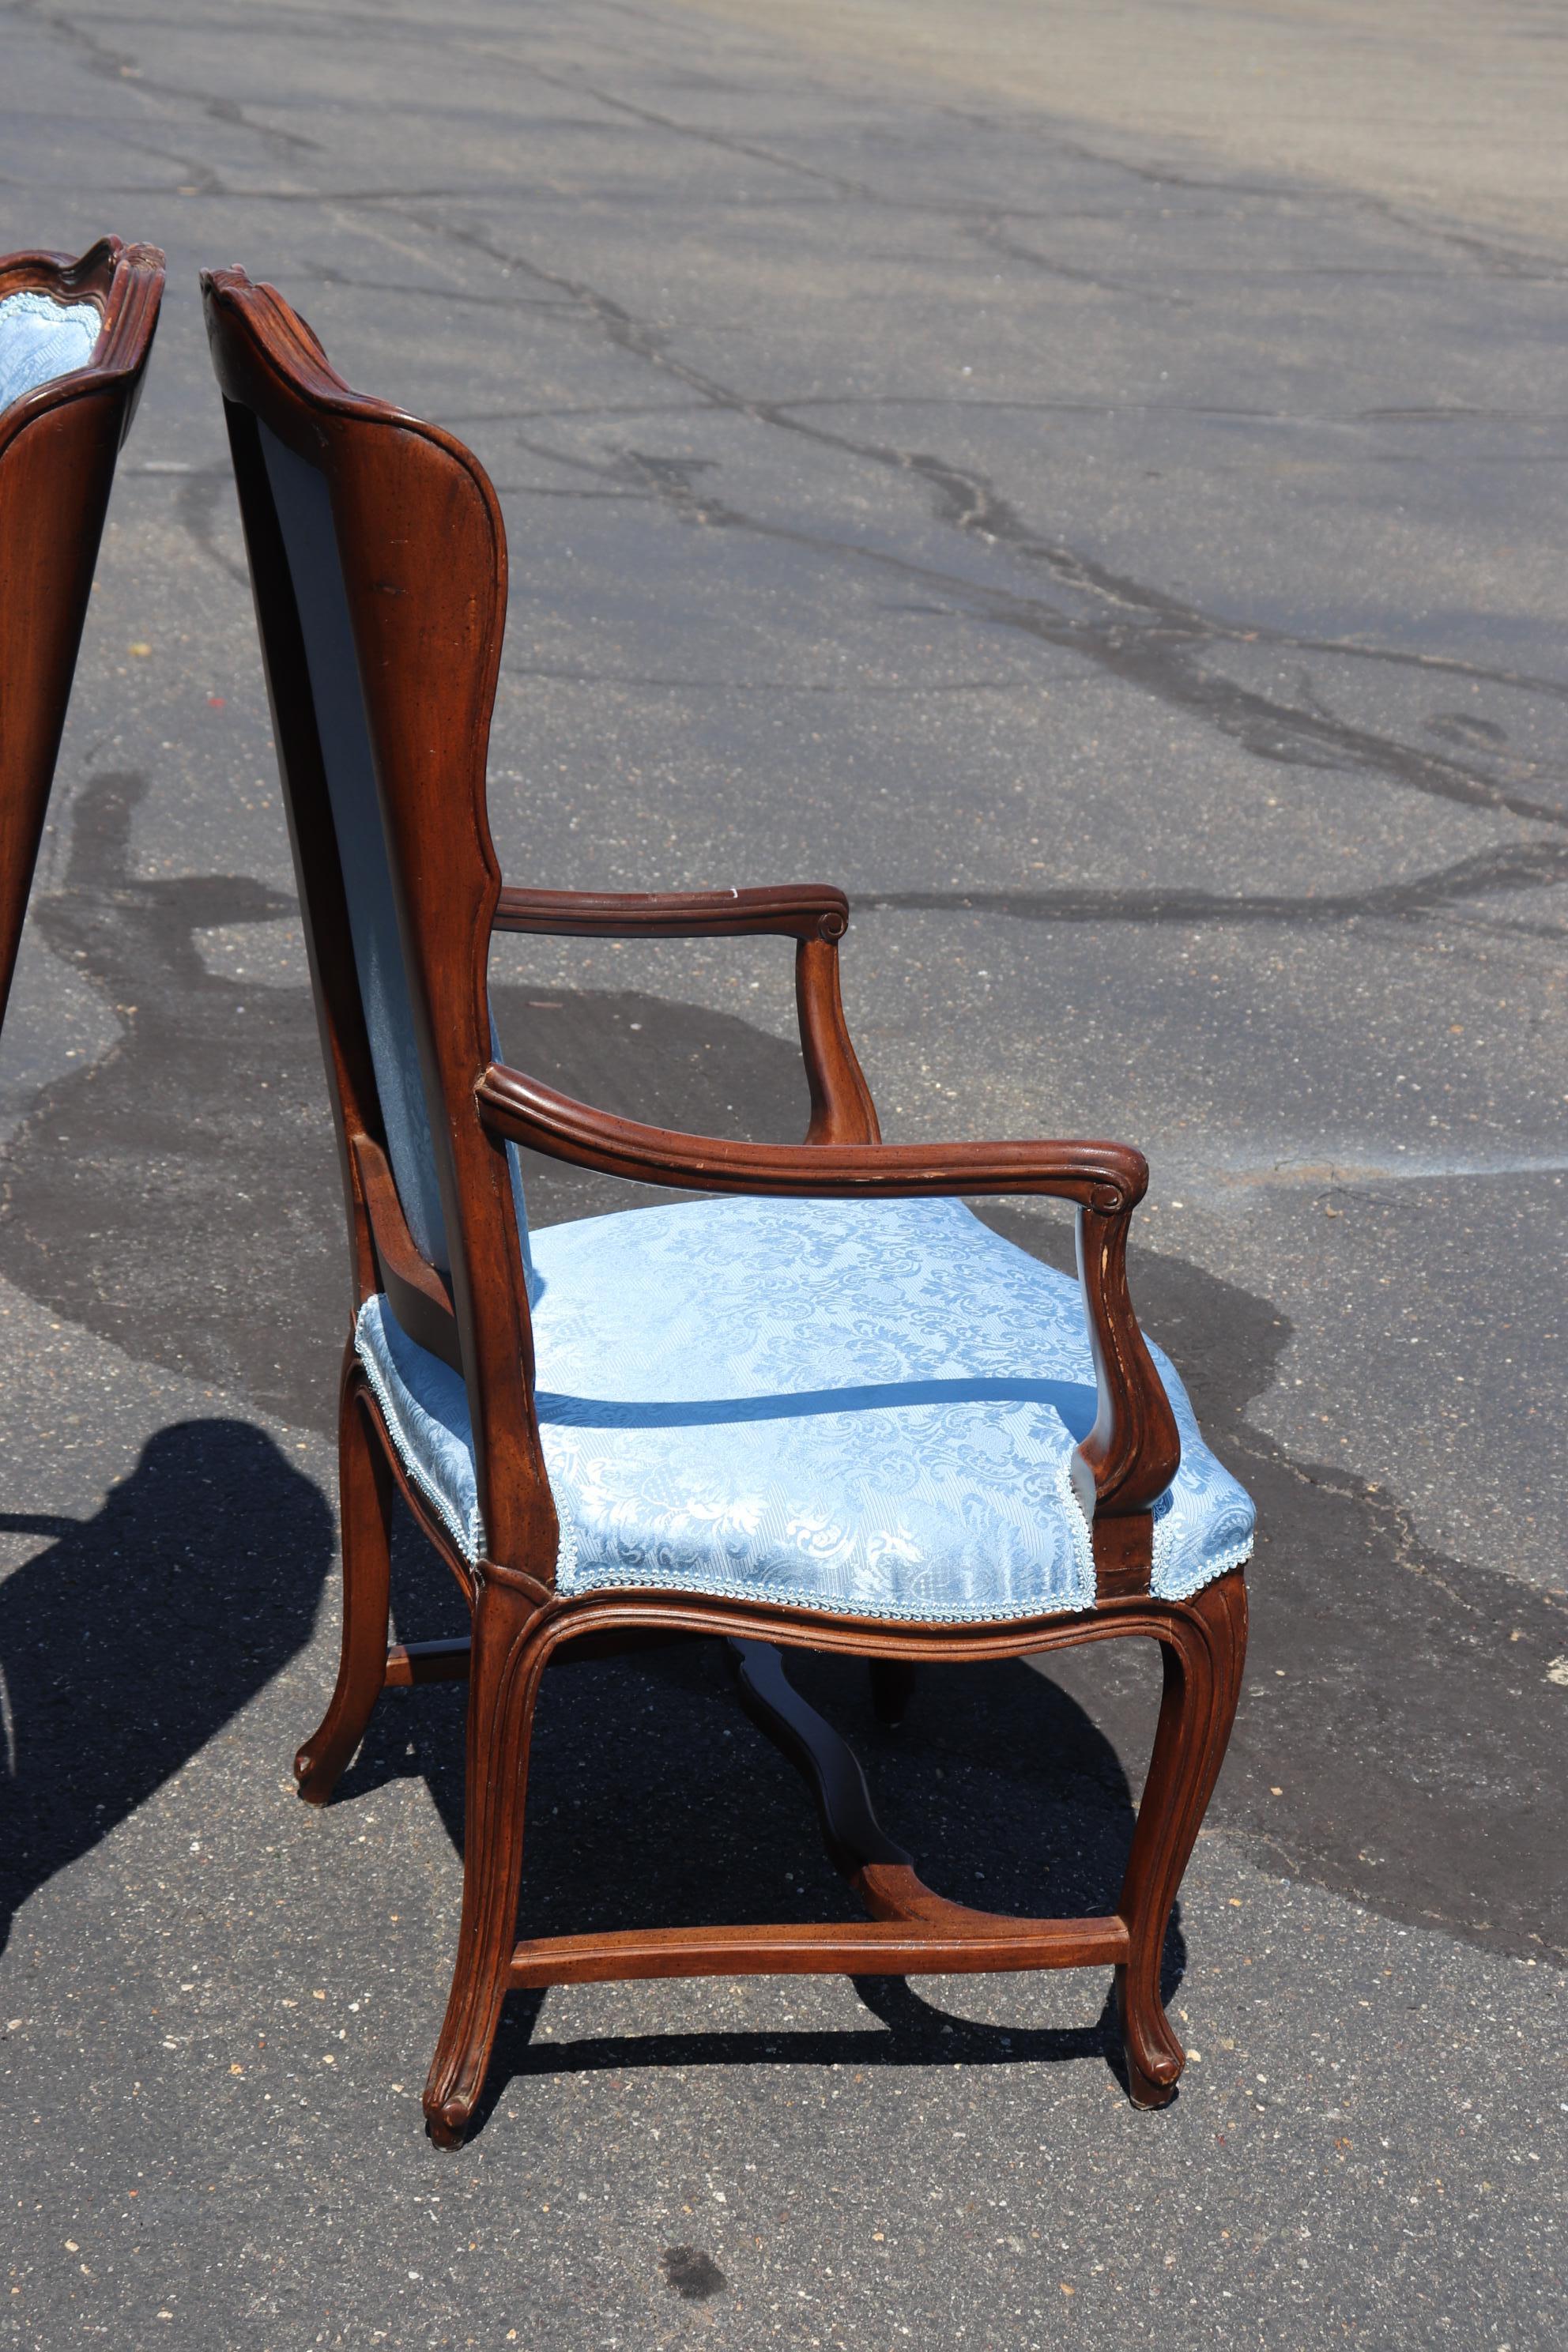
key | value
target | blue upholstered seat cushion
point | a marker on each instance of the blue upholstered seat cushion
(41, 339)
(867, 1407)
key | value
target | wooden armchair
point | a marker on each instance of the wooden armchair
(74, 339)
(831, 1410)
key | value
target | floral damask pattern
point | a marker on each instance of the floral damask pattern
(41, 339)
(867, 1407)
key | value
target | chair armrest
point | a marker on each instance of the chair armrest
(1130, 1454)
(801, 910)
(814, 914)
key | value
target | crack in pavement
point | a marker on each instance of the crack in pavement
(1527, 865)
(1138, 634)
(119, 66)
(993, 235)
(1143, 636)
(1495, 257)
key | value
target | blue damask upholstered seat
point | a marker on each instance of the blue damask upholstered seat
(41, 339)
(859, 1406)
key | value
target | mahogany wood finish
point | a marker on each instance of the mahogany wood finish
(890, 1947)
(410, 1663)
(424, 563)
(364, 1533)
(421, 1300)
(813, 914)
(58, 448)
(799, 910)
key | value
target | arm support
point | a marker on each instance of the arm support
(1130, 1456)
(800, 910)
(814, 914)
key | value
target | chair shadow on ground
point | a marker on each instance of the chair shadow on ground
(653, 1801)
(133, 1637)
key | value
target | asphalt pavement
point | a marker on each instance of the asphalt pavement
(1111, 520)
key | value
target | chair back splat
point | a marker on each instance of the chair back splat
(74, 339)
(823, 1406)
(378, 560)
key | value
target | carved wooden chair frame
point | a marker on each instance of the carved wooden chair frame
(58, 448)
(424, 556)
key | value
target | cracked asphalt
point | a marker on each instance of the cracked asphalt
(1095, 490)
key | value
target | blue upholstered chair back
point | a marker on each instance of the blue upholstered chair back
(303, 506)
(41, 339)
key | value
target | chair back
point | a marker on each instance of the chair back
(74, 339)
(302, 505)
(378, 561)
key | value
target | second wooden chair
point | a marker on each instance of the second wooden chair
(74, 339)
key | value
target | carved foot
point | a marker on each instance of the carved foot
(447, 2124)
(1142, 2089)
(315, 1771)
(1153, 2055)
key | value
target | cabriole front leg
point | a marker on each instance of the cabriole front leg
(504, 1672)
(1203, 1651)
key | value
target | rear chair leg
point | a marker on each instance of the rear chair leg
(504, 1685)
(365, 1485)
(1204, 1655)
(892, 1685)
